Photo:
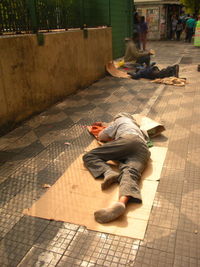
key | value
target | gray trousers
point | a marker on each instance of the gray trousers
(131, 153)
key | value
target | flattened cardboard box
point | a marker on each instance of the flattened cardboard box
(76, 195)
(148, 125)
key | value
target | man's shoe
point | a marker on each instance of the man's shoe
(176, 67)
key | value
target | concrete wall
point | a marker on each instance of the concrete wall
(32, 77)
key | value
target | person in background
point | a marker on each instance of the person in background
(197, 33)
(132, 53)
(174, 22)
(136, 21)
(143, 32)
(183, 17)
(190, 28)
(179, 29)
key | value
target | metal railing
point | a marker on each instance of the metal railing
(18, 16)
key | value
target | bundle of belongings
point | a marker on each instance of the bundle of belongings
(171, 81)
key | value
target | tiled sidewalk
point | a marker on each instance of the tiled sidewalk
(37, 153)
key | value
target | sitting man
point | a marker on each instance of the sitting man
(128, 147)
(153, 72)
(133, 55)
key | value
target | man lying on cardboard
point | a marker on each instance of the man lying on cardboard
(127, 144)
(146, 70)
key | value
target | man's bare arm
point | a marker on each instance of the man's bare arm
(103, 137)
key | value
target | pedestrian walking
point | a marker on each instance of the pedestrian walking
(197, 33)
(179, 29)
(174, 22)
(143, 33)
(136, 29)
(190, 28)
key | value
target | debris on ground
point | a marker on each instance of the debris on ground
(46, 186)
(171, 81)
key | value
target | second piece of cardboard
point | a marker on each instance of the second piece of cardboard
(111, 68)
(76, 195)
(148, 125)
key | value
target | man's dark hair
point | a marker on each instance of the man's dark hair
(136, 18)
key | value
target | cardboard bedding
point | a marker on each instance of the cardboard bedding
(76, 195)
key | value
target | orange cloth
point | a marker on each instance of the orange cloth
(96, 128)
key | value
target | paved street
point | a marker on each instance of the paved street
(36, 153)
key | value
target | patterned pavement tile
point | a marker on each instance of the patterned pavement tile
(6, 156)
(49, 127)
(167, 218)
(55, 239)
(183, 261)
(160, 238)
(40, 257)
(187, 244)
(148, 257)
(12, 252)
(17, 132)
(22, 154)
(190, 212)
(13, 185)
(8, 220)
(27, 230)
(171, 181)
(101, 249)
(21, 143)
(24, 199)
(174, 160)
(9, 168)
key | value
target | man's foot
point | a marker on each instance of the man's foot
(176, 69)
(110, 214)
(109, 179)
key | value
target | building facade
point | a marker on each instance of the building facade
(158, 15)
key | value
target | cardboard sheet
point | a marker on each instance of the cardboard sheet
(153, 128)
(76, 195)
(111, 68)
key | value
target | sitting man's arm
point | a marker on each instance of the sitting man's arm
(136, 53)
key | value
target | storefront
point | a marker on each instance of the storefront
(158, 16)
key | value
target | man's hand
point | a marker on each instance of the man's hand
(98, 123)
(151, 52)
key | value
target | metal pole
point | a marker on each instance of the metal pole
(109, 10)
(82, 14)
(31, 5)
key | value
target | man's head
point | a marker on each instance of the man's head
(124, 114)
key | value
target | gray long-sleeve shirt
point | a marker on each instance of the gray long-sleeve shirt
(120, 127)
